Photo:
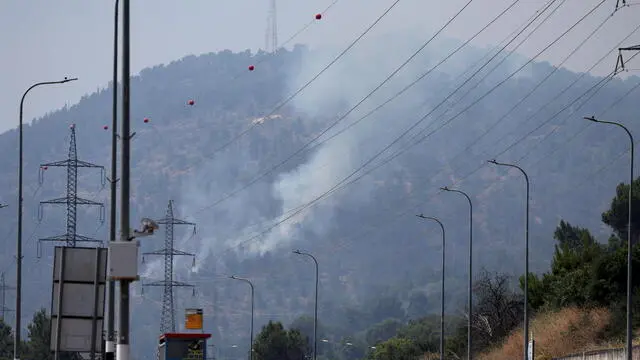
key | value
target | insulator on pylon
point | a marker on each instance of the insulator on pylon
(41, 176)
(103, 177)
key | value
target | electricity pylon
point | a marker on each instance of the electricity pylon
(620, 62)
(71, 200)
(3, 297)
(167, 322)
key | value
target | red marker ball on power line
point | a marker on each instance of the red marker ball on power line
(146, 120)
(251, 67)
(191, 102)
(318, 16)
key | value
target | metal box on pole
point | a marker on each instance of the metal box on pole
(123, 260)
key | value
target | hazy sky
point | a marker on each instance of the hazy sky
(43, 40)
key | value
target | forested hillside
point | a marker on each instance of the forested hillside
(222, 161)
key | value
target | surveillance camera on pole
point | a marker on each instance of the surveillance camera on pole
(148, 226)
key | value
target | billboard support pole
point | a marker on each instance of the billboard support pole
(56, 354)
(94, 319)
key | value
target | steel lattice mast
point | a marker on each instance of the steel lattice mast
(3, 297)
(71, 200)
(167, 322)
(271, 36)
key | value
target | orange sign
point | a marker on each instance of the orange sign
(193, 319)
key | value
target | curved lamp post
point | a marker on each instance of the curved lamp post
(252, 292)
(16, 333)
(526, 258)
(315, 315)
(629, 338)
(442, 284)
(470, 298)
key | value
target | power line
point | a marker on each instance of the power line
(167, 322)
(582, 75)
(536, 87)
(577, 133)
(324, 131)
(412, 208)
(314, 78)
(344, 180)
(71, 200)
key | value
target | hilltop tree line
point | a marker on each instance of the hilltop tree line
(583, 273)
(36, 347)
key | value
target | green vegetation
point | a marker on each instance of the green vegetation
(378, 271)
(276, 343)
(584, 290)
(37, 344)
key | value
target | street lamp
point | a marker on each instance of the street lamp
(629, 338)
(3, 206)
(442, 284)
(251, 333)
(16, 334)
(470, 298)
(526, 258)
(315, 316)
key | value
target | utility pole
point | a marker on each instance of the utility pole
(71, 200)
(122, 349)
(111, 289)
(167, 319)
(3, 297)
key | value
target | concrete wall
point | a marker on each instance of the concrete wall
(612, 354)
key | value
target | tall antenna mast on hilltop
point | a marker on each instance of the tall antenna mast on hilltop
(271, 36)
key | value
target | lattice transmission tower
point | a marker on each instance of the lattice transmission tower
(3, 297)
(167, 320)
(71, 200)
(271, 36)
(620, 63)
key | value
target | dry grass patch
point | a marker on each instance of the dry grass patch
(557, 333)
